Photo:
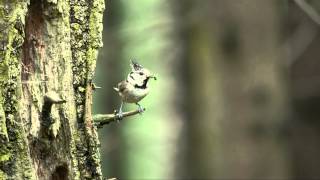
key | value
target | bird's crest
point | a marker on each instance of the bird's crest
(135, 66)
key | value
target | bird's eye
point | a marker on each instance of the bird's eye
(141, 73)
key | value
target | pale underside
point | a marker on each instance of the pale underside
(130, 94)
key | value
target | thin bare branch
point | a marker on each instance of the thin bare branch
(102, 119)
(299, 41)
(309, 10)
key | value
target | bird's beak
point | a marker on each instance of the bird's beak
(153, 76)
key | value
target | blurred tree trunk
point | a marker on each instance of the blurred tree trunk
(202, 92)
(236, 90)
(304, 127)
(47, 60)
(254, 91)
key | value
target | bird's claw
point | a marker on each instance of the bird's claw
(140, 109)
(119, 116)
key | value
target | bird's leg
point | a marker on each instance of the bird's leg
(119, 115)
(140, 109)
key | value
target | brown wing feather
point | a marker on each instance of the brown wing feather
(122, 86)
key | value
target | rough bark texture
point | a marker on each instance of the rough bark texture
(48, 50)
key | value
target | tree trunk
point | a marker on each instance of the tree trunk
(254, 92)
(47, 61)
(236, 95)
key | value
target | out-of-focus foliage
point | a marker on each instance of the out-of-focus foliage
(237, 95)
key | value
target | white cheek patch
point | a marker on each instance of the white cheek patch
(136, 79)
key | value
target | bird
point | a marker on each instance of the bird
(135, 87)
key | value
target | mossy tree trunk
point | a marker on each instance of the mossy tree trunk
(48, 50)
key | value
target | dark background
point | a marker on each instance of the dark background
(238, 90)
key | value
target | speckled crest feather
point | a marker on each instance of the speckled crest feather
(135, 65)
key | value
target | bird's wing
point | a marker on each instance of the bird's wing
(121, 86)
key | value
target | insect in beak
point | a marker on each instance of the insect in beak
(153, 76)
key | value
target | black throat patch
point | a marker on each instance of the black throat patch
(144, 85)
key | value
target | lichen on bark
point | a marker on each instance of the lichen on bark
(48, 46)
(86, 33)
(15, 161)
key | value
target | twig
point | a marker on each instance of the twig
(94, 86)
(309, 10)
(110, 178)
(299, 42)
(33, 82)
(102, 119)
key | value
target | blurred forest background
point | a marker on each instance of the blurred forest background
(238, 90)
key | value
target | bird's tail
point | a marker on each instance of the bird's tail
(116, 89)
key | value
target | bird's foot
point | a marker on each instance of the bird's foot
(140, 109)
(119, 116)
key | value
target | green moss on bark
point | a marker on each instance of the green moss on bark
(48, 65)
(14, 154)
(86, 26)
